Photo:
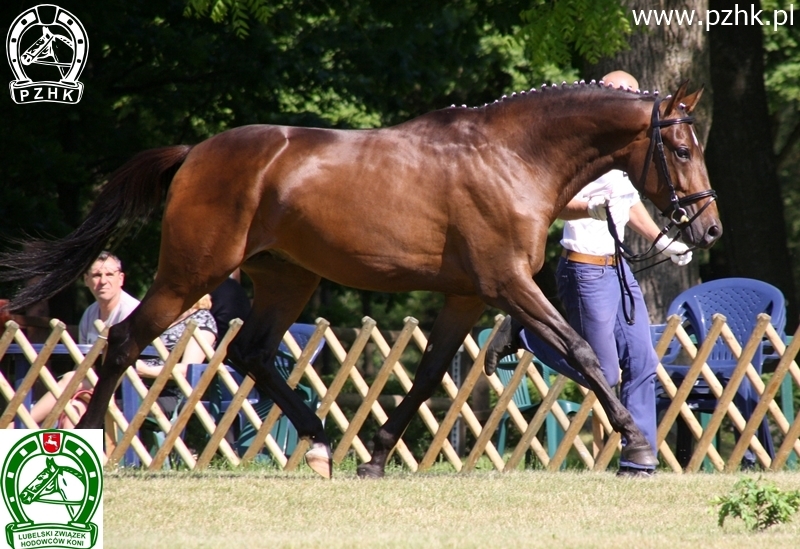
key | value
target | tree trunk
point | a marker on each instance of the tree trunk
(661, 57)
(742, 165)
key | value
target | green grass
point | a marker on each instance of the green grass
(263, 507)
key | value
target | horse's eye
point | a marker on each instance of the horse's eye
(683, 153)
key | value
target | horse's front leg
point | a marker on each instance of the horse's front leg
(459, 315)
(121, 352)
(526, 302)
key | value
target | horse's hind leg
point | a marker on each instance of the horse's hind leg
(526, 302)
(459, 315)
(281, 291)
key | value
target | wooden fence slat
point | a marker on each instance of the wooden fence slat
(730, 390)
(349, 362)
(761, 408)
(193, 400)
(452, 414)
(6, 388)
(698, 360)
(37, 362)
(572, 432)
(661, 348)
(493, 421)
(370, 399)
(149, 401)
(791, 433)
(77, 378)
(466, 412)
(549, 398)
(767, 406)
(302, 361)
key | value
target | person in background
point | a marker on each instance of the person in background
(105, 279)
(148, 369)
(589, 289)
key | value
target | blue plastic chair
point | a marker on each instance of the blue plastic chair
(522, 399)
(740, 300)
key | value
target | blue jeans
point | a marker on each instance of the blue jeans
(592, 301)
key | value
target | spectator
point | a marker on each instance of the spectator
(149, 369)
(589, 289)
(105, 279)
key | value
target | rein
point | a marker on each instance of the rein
(675, 212)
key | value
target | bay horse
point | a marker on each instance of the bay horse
(456, 201)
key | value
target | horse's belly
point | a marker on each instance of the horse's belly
(380, 266)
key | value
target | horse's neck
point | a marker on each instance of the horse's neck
(583, 138)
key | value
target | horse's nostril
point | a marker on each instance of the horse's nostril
(714, 232)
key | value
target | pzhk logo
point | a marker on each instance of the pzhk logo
(52, 485)
(46, 48)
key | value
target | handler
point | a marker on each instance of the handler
(589, 289)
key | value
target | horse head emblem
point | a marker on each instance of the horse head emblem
(47, 48)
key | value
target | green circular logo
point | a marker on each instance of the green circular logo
(52, 485)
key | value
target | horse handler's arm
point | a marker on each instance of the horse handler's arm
(575, 209)
(641, 222)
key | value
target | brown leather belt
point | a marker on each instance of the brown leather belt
(600, 260)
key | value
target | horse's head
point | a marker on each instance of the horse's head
(672, 170)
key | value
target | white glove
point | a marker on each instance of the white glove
(599, 206)
(596, 207)
(678, 252)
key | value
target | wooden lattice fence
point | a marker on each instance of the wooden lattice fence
(122, 433)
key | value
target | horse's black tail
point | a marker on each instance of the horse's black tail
(133, 192)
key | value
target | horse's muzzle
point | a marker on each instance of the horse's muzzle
(708, 238)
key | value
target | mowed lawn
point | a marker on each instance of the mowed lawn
(484, 509)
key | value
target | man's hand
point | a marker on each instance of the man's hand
(678, 252)
(596, 207)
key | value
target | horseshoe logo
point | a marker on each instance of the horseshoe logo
(46, 36)
(52, 486)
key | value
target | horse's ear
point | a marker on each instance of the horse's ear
(676, 98)
(691, 100)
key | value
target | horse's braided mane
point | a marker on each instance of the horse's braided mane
(564, 87)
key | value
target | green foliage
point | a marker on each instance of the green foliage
(237, 12)
(782, 81)
(555, 31)
(156, 77)
(180, 71)
(759, 506)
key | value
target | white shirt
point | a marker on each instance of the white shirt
(591, 236)
(88, 334)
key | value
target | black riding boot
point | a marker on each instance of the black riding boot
(505, 342)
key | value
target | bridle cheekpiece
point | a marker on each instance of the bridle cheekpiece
(675, 212)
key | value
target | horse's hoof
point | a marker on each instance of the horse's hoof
(320, 460)
(640, 455)
(505, 342)
(369, 470)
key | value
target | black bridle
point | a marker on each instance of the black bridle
(675, 212)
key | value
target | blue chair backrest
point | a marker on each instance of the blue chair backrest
(740, 300)
(302, 334)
